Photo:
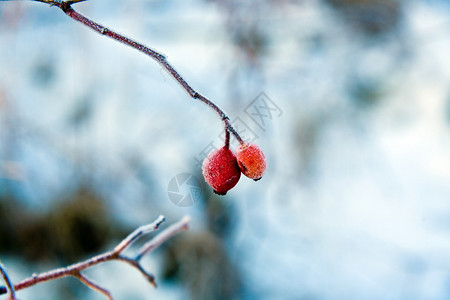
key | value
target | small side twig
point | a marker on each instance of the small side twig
(115, 254)
(164, 236)
(9, 285)
(154, 243)
(138, 233)
(93, 285)
(66, 7)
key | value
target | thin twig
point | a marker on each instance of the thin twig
(66, 7)
(66, 271)
(94, 286)
(227, 138)
(115, 254)
(9, 285)
(138, 233)
(181, 225)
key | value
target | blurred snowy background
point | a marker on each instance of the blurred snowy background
(355, 203)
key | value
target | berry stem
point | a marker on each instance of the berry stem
(234, 132)
(66, 7)
(227, 139)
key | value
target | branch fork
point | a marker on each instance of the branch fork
(76, 269)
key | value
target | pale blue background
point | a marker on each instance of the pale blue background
(355, 203)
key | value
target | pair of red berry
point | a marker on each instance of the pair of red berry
(222, 169)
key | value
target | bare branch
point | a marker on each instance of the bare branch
(181, 225)
(9, 285)
(75, 269)
(66, 7)
(71, 270)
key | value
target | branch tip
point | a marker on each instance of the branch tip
(185, 221)
(161, 219)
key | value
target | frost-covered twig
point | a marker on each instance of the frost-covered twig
(164, 236)
(66, 7)
(75, 270)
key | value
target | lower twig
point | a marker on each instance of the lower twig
(115, 254)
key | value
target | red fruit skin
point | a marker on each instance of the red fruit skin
(251, 161)
(221, 171)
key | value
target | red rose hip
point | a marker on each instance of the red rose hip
(251, 161)
(221, 170)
